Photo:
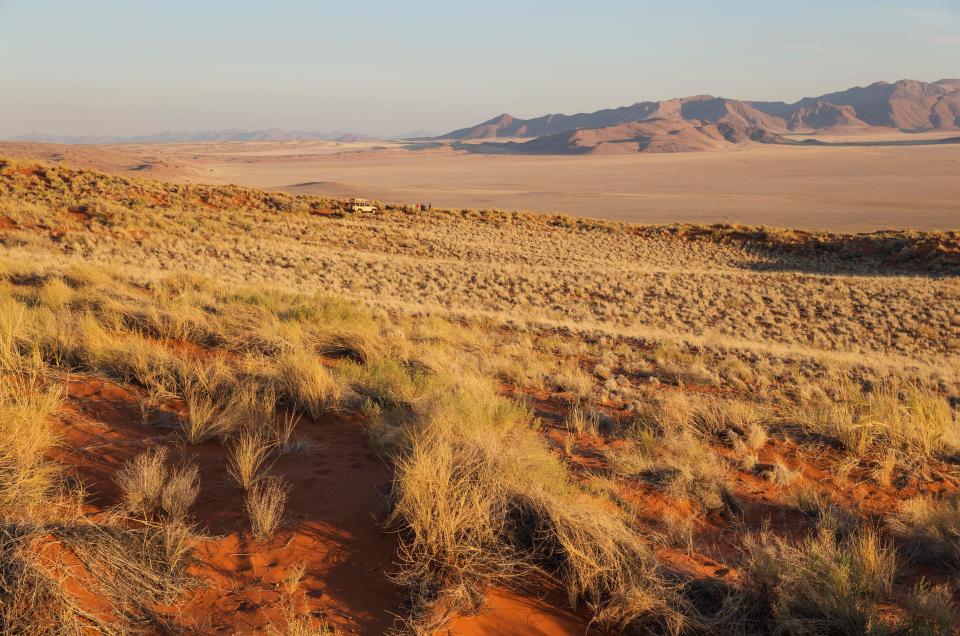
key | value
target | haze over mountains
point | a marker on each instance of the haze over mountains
(704, 122)
(700, 122)
(270, 134)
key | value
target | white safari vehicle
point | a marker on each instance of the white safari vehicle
(362, 205)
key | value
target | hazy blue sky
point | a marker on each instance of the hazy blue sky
(382, 67)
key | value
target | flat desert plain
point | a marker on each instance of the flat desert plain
(848, 188)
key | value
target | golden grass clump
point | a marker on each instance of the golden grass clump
(484, 500)
(307, 383)
(389, 383)
(294, 577)
(571, 379)
(247, 458)
(296, 625)
(149, 485)
(206, 417)
(931, 527)
(819, 585)
(141, 480)
(181, 490)
(722, 420)
(282, 431)
(915, 423)
(55, 293)
(27, 402)
(680, 465)
(583, 419)
(265, 503)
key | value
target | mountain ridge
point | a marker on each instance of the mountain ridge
(907, 105)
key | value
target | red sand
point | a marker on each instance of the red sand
(331, 518)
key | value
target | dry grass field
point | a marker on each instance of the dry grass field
(261, 414)
(849, 189)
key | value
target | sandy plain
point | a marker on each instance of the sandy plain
(848, 188)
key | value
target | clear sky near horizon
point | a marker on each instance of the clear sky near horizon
(385, 67)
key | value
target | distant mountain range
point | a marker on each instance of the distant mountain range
(703, 122)
(271, 134)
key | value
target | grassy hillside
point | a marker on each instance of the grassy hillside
(261, 414)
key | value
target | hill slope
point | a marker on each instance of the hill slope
(652, 135)
(907, 104)
(225, 410)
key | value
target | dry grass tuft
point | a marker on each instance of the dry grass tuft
(483, 501)
(930, 610)
(308, 384)
(294, 577)
(572, 380)
(824, 513)
(141, 481)
(148, 485)
(583, 419)
(247, 458)
(781, 474)
(180, 492)
(27, 401)
(914, 423)
(206, 417)
(283, 433)
(294, 625)
(265, 502)
(680, 465)
(931, 527)
(820, 585)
